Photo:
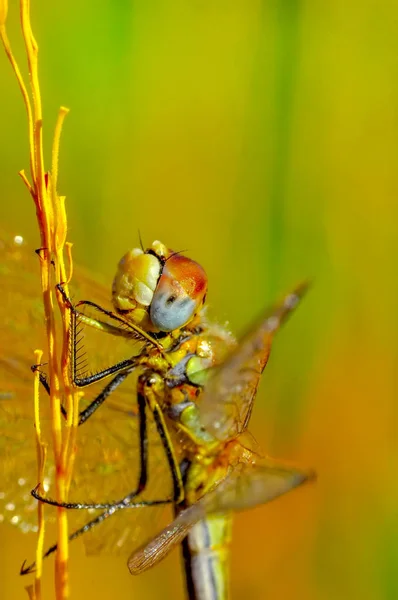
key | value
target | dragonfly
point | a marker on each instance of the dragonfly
(199, 386)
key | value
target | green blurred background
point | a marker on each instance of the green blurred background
(262, 137)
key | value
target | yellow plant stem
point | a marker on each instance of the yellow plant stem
(52, 221)
(32, 52)
(41, 460)
(22, 87)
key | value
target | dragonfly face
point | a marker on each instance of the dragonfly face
(158, 289)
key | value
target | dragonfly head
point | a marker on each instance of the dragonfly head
(158, 289)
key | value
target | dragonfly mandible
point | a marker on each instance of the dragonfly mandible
(200, 388)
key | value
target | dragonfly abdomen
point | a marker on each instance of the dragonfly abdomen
(206, 557)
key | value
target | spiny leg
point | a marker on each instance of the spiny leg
(151, 387)
(125, 329)
(120, 369)
(143, 458)
(146, 394)
(77, 533)
(85, 414)
(88, 526)
(74, 356)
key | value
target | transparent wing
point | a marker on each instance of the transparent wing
(225, 405)
(107, 461)
(244, 488)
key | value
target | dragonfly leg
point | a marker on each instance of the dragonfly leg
(153, 401)
(117, 368)
(123, 328)
(85, 414)
(143, 475)
(146, 395)
(87, 527)
(120, 369)
(69, 304)
(84, 529)
(42, 377)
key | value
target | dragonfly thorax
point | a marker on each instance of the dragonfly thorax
(158, 289)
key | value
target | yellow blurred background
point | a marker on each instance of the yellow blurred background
(263, 139)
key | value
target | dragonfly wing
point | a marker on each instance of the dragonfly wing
(106, 467)
(153, 552)
(226, 402)
(21, 311)
(244, 488)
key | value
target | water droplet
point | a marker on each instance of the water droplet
(18, 240)
(273, 323)
(291, 300)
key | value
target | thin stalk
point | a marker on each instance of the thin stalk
(52, 222)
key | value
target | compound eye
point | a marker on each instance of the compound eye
(179, 294)
(135, 281)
